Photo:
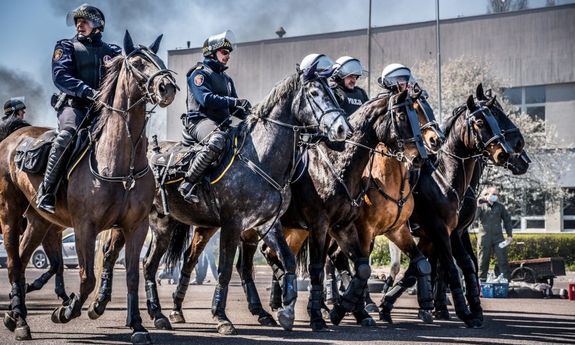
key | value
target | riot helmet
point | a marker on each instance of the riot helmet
(12, 106)
(89, 13)
(324, 64)
(396, 77)
(346, 66)
(224, 40)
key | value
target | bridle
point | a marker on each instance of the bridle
(146, 87)
(413, 120)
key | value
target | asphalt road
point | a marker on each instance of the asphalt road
(508, 321)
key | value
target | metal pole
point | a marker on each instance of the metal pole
(369, 52)
(438, 48)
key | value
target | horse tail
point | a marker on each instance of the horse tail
(179, 239)
(302, 259)
(11, 125)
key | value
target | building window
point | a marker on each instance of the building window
(569, 210)
(529, 213)
(529, 99)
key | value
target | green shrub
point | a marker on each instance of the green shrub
(524, 246)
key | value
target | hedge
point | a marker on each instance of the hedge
(524, 246)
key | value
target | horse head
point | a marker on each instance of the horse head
(317, 104)
(433, 136)
(155, 82)
(518, 160)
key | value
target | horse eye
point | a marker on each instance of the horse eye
(402, 117)
(479, 123)
(314, 93)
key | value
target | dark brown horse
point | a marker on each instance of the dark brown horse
(110, 185)
(474, 130)
(253, 194)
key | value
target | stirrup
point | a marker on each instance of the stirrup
(47, 203)
(187, 189)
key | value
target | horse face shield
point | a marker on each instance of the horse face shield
(489, 137)
(321, 102)
(433, 136)
(406, 125)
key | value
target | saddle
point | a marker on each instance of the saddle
(32, 153)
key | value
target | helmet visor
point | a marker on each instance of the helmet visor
(226, 39)
(352, 67)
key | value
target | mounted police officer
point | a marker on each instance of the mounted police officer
(344, 80)
(77, 70)
(14, 107)
(211, 101)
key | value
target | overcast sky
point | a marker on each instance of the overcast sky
(30, 28)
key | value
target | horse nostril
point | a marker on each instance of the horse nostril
(162, 88)
(502, 157)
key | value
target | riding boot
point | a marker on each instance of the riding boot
(46, 199)
(203, 159)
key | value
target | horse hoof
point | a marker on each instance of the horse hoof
(9, 321)
(473, 323)
(267, 320)
(385, 316)
(163, 323)
(141, 338)
(286, 318)
(93, 312)
(442, 315)
(227, 328)
(177, 316)
(336, 314)
(58, 315)
(319, 326)
(22, 333)
(368, 322)
(425, 315)
(371, 308)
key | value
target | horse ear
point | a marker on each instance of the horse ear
(416, 95)
(491, 101)
(479, 93)
(128, 43)
(471, 103)
(156, 45)
(402, 96)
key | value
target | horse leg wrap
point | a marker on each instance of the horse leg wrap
(18, 300)
(289, 288)
(105, 287)
(345, 277)
(387, 284)
(153, 302)
(459, 303)
(440, 299)
(40, 281)
(424, 289)
(254, 303)
(180, 293)
(219, 301)
(331, 292)
(133, 317)
(60, 290)
(353, 299)
(315, 303)
(472, 294)
(389, 299)
(275, 295)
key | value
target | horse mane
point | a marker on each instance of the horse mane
(276, 95)
(372, 107)
(11, 124)
(107, 91)
(450, 120)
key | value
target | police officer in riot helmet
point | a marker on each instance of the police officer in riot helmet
(77, 70)
(396, 78)
(14, 107)
(344, 79)
(324, 64)
(211, 101)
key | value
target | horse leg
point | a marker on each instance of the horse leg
(199, 242)
(395, 257)
(439, 291)
(337, 260)
(465, 262)
(353, 298)
(158, 246)
(418, 266)
(229, 241)
(245, 267)
(275, 240)
(111, 251)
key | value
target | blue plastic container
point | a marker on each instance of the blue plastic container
(495, 290)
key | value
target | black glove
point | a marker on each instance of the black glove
(243, 104)
(91, 94)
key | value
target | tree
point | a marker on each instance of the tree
(498, 6)
(460, 78)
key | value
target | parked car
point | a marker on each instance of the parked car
(40, 259)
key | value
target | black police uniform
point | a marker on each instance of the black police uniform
(349, 100)
(211, 101)
(77, 70)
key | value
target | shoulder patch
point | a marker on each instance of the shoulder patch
(57, 54)
(107, 58)
(199, 79)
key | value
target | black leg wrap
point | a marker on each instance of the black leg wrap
(440, 300)
(459, 304)
(133, 319)
(387, 284)
(275, 295)
(18, 300)
(180, 293)
(289, 288)
(152, 300)
(353, 298)
(219, 302)
(314, 306)
(105, 292)
(424, 289)
(472, 294)
(40, 281)
(254, 303)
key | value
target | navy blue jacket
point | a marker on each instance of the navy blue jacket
(211, 92)
(65, 74)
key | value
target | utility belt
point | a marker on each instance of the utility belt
(62, 99)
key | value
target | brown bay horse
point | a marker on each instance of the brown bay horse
(110, 186)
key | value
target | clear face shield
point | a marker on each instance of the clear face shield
(226, 39)
(351, 67)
